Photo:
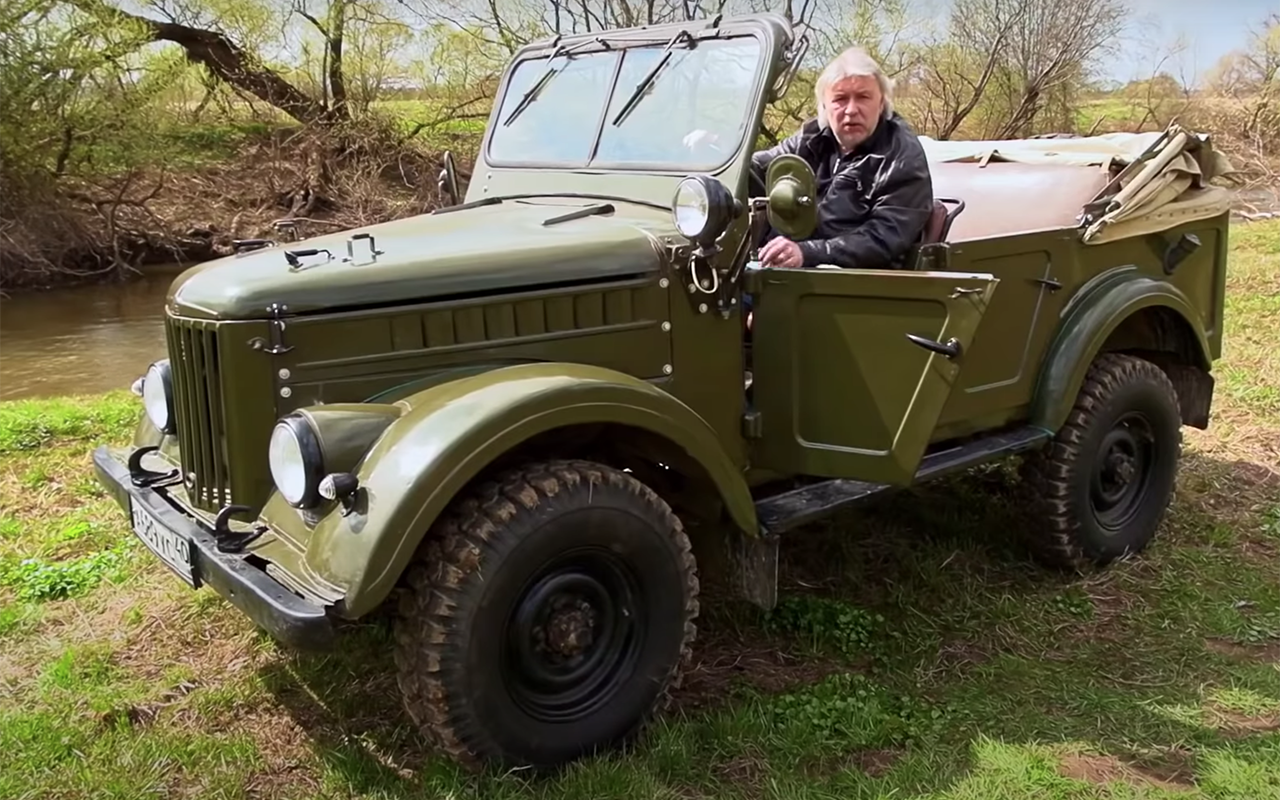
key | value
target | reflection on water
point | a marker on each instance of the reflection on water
(82, 340)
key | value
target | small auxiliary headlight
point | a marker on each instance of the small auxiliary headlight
(157, 396)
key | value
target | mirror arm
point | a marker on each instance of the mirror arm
(757, 218)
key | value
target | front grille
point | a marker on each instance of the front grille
(198, 406)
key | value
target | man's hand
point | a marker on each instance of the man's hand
(781, 252)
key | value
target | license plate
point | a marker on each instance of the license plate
(172, 548)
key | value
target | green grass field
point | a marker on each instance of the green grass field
(917, 654)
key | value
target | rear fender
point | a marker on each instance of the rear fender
(1086, 329)
(450, 432)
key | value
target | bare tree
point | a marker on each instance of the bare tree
(1051, 44)
(955, 72)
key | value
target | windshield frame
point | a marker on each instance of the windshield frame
(606, 43)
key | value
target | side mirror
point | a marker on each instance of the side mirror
(448, 180)
(793, 210)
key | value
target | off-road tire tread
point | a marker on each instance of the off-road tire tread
(457, 546)
(1048, 473)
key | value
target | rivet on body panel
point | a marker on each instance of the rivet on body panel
(285, 391)
(666, 368)
(666, 326)
(664, 283)
(284, 374)
(702, 308)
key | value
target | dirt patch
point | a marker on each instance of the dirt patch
(146, 713)
(1237, 725)
(746, 771)
(876, 762)
(282, 780)
(1258, 652)
(872, 763)
(173, 632)
(1103, 769)
(723, 660)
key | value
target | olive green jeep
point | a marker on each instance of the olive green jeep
(526, 424)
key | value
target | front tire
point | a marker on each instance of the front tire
(1101, 486)
(546, 617)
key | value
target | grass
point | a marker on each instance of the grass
(916, 653)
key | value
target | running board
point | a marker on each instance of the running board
(787, 510)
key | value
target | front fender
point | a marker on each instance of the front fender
(450, 432)
(1085, 329)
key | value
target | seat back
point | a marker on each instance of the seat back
(933, 228)
(938, 226)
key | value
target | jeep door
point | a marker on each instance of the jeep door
(851, 368)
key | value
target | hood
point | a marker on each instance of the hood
(515, 244)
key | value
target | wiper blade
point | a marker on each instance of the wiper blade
(647, 81)
(546, 77)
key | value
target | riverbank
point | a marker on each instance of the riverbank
(219, 184)
(916, 654)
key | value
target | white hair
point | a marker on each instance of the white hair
(851, 62)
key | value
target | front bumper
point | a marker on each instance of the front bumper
(290, 619)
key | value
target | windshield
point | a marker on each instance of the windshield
(708, 86)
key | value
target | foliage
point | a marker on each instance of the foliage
(108, 115)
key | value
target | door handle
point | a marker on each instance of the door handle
(951, 349)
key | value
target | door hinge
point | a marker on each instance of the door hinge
(752, 425)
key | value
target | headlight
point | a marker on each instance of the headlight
(692, 207)
(157, 396)
(702, 208)
(296, 464)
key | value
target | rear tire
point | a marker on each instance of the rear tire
(1101, 486)
(547, 615)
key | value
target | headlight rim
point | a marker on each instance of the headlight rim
(699, 187)
(721, 205)
(312, 459)
(164, 371)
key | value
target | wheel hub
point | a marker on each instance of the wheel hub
(571, 629)
(1123, 462)
(572, 642)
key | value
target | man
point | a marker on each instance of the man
(874, 191)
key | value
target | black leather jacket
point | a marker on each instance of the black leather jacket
(873, 203)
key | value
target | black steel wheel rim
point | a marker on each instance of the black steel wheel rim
(1122, 471)
(573, 636)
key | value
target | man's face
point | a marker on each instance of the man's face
(853, 108)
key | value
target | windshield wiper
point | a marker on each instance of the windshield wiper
(643, 85)
(551, 72)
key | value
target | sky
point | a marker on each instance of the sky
(1212, 28)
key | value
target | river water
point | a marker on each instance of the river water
(82, 340)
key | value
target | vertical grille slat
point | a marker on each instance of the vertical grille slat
(198, 403)
(193, 364)
(187, 427)
(217, 431)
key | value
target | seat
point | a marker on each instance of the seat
(940, 219)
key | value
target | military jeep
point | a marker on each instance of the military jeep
(525, 424)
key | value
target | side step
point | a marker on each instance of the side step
(782, 512)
